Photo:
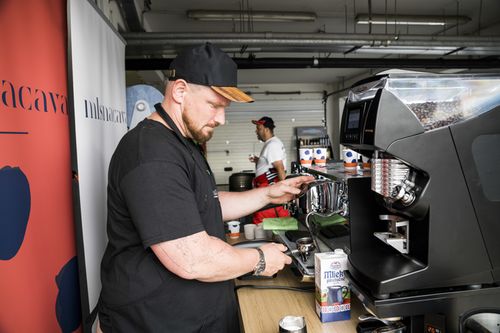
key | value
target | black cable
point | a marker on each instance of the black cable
(301, 289)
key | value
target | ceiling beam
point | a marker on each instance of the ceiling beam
(168, 44)
(290, 63)
(170, 40)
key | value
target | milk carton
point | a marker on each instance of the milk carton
(333, 297)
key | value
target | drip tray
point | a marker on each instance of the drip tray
(293, 235)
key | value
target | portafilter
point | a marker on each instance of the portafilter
(305, 246)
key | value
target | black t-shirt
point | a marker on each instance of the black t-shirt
(160, 190)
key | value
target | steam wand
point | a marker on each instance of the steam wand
(313, 230)
(313, 234)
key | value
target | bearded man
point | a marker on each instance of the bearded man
(167, 267)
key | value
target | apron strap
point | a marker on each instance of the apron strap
(164, 115)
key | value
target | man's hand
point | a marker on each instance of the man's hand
(252, 158)
(237, 204)
(286, 190)
(275, 258)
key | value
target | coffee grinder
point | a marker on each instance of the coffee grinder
(424, 227)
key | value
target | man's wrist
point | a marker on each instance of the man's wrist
(260, 267)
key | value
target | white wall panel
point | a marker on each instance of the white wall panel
(233, 142)
(97, 67)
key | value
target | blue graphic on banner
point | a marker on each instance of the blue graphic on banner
(141, 100)
(68, 308)
(15, 203)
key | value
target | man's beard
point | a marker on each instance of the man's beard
(197, 134)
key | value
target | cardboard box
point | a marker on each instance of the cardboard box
(333, 296)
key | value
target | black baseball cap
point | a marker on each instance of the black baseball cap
(208, 65)
(265, 121)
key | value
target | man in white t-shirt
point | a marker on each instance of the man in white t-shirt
(270, 166)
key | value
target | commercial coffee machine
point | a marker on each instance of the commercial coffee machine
(425, 227)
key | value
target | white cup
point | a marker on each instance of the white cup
(319, 155)
(366, 162)
(234, 229)
(350, 159)
(260, 233)
(249, 230)
(269, 234)
(306, 156)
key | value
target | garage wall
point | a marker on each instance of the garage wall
(232, 143)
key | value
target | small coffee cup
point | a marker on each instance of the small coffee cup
(249, 230)
(234, 229)
(260, 233)
(292, 324)
(350, 159)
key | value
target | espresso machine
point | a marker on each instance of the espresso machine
(424, 227)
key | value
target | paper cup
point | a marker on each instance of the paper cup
(234, 229)
(350, 159)
(306, 156)
(319, 155)
(366, 162)
(249, 230)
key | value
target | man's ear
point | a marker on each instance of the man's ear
(179, 90)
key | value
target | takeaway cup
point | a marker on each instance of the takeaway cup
(350, 159)
(306, 156)
(366, 162)
(319, 155)
(234, 229)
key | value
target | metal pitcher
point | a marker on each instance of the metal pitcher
(323, 197)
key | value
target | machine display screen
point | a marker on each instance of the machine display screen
(353, 119)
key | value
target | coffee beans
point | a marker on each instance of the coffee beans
(437, 114)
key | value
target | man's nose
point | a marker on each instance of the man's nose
(220, 116)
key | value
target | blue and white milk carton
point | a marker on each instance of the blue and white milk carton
(333, 297)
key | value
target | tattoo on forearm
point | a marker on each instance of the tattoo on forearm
(193, 254)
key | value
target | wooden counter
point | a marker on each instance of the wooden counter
(262, 309)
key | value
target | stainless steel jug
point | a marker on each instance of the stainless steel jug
(323, 197)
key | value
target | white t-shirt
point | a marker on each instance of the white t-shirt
(273, 151)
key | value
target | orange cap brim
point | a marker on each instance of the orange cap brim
(233, 94)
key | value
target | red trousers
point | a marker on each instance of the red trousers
(264, 180)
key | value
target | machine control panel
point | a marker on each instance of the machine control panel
(358, 121)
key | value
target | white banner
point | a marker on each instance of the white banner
(97, 67)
